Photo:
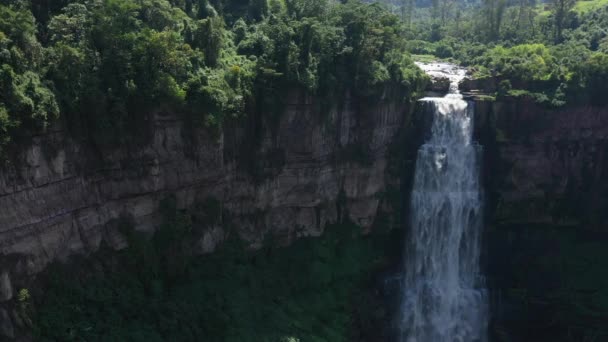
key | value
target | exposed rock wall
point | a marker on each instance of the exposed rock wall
(287, 177)
(545, 165)
(547, 219)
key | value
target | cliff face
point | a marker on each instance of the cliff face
(286, 178)
(545, 165)
(544, 173)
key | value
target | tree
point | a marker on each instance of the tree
(407, 9)
(209, 36)
(525, 16)
(205, 9)
(446, 9)
(493, 11)
(258, 9)
(595, 70)
(69, 26)
(560, 10)
(25, 97)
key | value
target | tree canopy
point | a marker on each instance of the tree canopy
(103, 65)
(544, 49)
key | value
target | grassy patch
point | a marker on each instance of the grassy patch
(585, 6)
(485, 97)
(543, 10)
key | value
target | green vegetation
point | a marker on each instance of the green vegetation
(553, 279)
(104, 65)
(25, 97)
(551, 50)
(155, 291)
(585, 6)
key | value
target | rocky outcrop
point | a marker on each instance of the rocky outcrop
(485, 85)
(439, 85)
(286, 177)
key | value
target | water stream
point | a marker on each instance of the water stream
(444, 298)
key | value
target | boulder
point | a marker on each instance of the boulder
(439, 84)
(484, 85)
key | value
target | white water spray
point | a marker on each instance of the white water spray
(444, 298)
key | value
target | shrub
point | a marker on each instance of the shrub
(527, 62)
(504, 87)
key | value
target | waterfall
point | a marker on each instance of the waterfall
(444, 299)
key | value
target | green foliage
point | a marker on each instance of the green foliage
(106, 65)
(221, 92)
(554, 75)
(25, 98)
(306, 291)
(586, 6)
(127, 58)
(23, 296)
(504, 88)
(542, 48)
(554, 281)
(18, 38)
(528, 62)
(560, 11)
(329, 48)
(594, 75)
(210, 36)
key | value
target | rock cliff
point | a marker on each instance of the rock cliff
(546, 219)
(545, 165)
(284, 177)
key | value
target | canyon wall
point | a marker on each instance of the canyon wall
(547, 219)
(545, 165)
(284, 178)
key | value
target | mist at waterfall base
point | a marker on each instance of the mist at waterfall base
(443, 293)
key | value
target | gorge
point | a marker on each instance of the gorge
(303, 170)
(517, 220)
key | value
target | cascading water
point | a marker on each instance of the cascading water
(444, 299)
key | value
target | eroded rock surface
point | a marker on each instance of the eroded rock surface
(288, 178)
(545, 172)
(546, 165)
(439, 84)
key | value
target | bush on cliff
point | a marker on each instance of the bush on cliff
(26, 98)
(594, 75)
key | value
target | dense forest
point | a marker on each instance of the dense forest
(554, 52)
(101, 65)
